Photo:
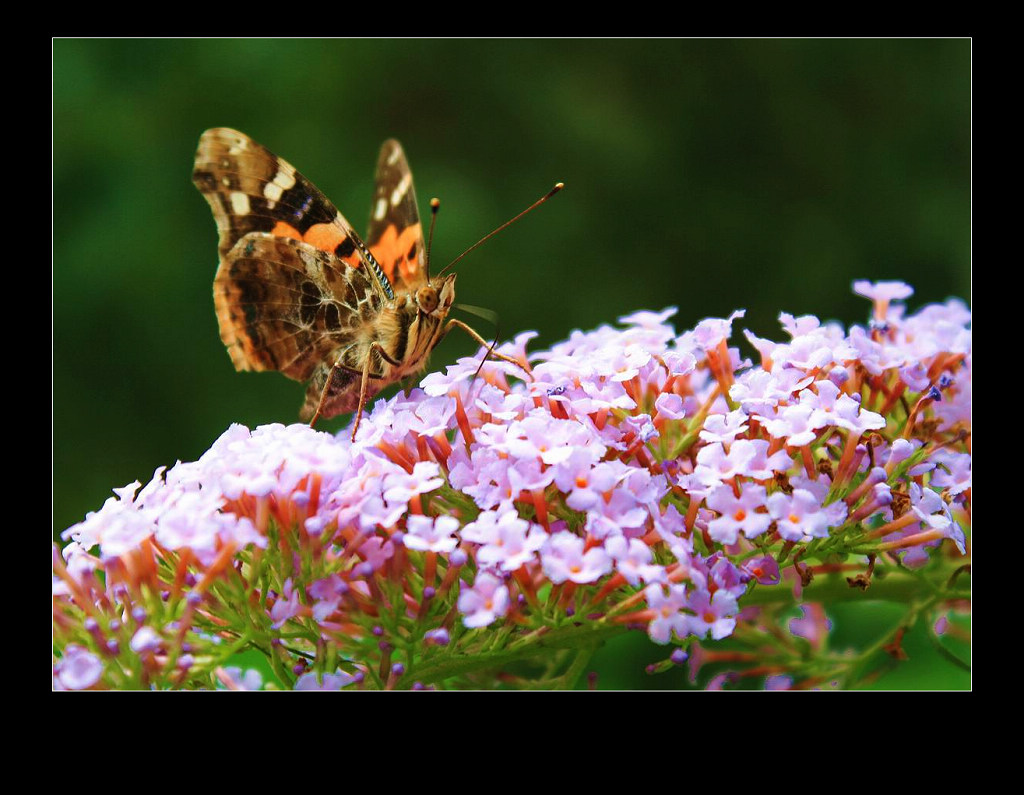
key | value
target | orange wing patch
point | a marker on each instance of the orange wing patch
(282, 229)
(326, 237)
(400, 252)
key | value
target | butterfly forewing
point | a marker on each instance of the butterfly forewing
(250, 189)
(395, 235)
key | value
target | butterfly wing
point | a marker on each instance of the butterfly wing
(250, 189)
(285, 305)
(395, 236)
(261, 311)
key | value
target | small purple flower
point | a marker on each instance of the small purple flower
(437, 384)
(745, 457)
(508, 542)
(431, 534)
(813, 626)
(485, 602)
(437, 637)
(796, 424)
(146, 639)
(714, 614)
(711, 331)
(331, 587)
(649, 320)
(954, 472)
(287, 605)
(883, 292)
(669, 617)
(764, 569)
(586, 485)
(400, 487)
(78, 669)
(250, 679)
(433, 416)
(737, 514)
(669, 406)
(500, 405)
(799, 326)
(377, 552)
(801, 514)
(563, 559)
(313, 681)
(633, 560)
(724, 428)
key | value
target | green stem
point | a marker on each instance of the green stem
(583, 638)
(894, 587)
(579, 665)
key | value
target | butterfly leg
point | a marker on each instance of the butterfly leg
(376, 346)
(453, 323)
(339, 367)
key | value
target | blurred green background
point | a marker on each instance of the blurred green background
(707, 174)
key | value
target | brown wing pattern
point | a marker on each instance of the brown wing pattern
(395, 235)
(297, 291)
(250, 189)
(284, 305)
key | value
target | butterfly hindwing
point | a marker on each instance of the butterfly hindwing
(395, 235)
(285, 305)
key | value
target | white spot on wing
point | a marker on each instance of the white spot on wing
(401, 189)
(381, 209)
(285, 179)
(273, 193)
(239, 203)
(393, 157)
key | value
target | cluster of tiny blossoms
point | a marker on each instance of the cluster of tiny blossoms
(486, 527)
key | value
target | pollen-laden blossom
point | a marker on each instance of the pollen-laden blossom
(506, 541)
(712, 613)
(738, 514)
(564, 559)
(669, 617)
(431, 534)
(801, 515)
(485, 602)
(745, 458)
(628, 477)
(633, 560)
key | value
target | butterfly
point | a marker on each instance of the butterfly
(299, 292)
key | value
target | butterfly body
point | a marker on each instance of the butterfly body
(298, 291)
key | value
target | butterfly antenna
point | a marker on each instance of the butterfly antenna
(435, 205)
(505, 225)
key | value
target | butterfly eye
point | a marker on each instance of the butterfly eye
(426, 299)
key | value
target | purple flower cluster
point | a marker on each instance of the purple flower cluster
(632, 475)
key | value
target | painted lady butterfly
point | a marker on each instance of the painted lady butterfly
(297, 290)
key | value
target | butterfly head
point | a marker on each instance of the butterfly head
(436, 297)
